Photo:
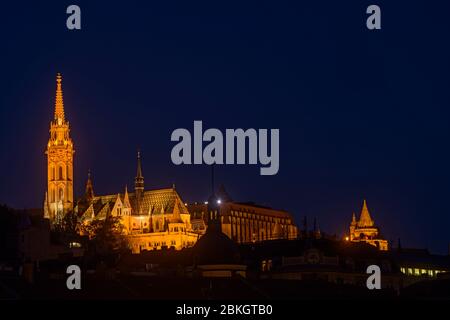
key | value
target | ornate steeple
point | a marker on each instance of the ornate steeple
(126, 199)
(89, 194)
(139, 180)
(353, 219)
(59, 103)
(60, 153)
(365, 220)
(138, 185)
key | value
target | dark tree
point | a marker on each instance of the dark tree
(106, 236)
(68, 230)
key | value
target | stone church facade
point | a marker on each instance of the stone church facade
(151, 219)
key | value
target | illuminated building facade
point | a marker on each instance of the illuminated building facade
(246, 222)
(59, 196)
(152, 219)
(364, 230)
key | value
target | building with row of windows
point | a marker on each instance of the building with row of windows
(246, 222)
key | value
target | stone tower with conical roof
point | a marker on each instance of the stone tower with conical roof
(364, 230)
(365, 220)
(60, 152)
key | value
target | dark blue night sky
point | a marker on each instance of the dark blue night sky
(362, 114)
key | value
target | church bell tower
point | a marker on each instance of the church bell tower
(59, 195)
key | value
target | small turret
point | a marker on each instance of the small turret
(126, 199)
(89, 193)
(138, 185)
(353, 223)
(139, 180)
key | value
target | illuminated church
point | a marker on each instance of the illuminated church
(364, 230)
(152, 219)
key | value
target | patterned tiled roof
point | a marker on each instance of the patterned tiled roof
(153, 201)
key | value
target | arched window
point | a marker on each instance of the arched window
(52, 173)
(53, 196)
(61, 194)
(60, 173)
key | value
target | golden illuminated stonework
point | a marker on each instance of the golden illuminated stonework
(151, 219)
(59, 195)
(364, 230)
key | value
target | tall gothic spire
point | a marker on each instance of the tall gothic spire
(139, 180)
(59, 104)
(365, 220)
(138, 186)
(89, 187)
(60, 153)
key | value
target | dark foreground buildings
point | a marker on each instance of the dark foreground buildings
(216, 267)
